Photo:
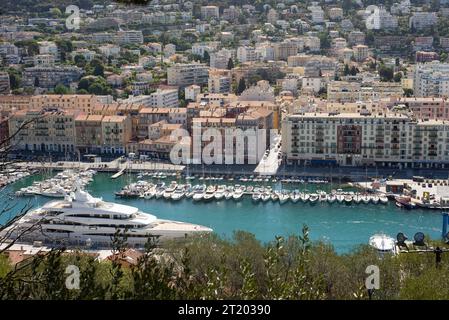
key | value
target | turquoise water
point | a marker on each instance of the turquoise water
(341, 225)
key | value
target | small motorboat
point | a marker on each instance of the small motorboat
(238, 193)
(375, 199)
(356, 198)
(366, 199)
(331, 198)
(220, 193)
(283, 197)
(340, 197)
(148, 195)
(178, 194)
(198, 194)
(314, 197)
(265, 196)
(256, 196)
(348, 199)
(322, 196)
(304, 197)
(383, 199)
(210, 193)
(295, 196)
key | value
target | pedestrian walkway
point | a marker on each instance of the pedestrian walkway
(270, 162)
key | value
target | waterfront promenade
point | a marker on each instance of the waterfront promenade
(338, 173)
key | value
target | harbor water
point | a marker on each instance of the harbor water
(344, 226)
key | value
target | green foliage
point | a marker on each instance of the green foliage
(14, 78)
(386, 73)
(61, 89)
(210, 267)
(241, 86)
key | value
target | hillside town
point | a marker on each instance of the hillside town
(341, 83)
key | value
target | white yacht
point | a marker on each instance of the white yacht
(199, 192)
(238, 193)
(178, 194)
(220, 193)
(81, 218)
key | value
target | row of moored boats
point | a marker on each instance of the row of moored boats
(202, 192)
(60, 185)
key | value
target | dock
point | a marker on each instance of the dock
(118, 174)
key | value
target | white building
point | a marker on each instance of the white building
(110, 50)
(209, 12)
(164, 98)
(246, 54)
(191, 92)
(355, 139)
(422, 20)
(219, 81)
(185, 74)
(431, 79)
(220, 59)
(130, 37)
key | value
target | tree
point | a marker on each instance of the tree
(80, 61)
(241, 86)
(14, 78)
(206, 58)
(397, 77)
(61, 89)
(346, 70)
(386, 73)
(99, 70)
(408, 92)
(230, 64)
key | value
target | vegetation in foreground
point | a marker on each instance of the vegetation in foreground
(210, 267)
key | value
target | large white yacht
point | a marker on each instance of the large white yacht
(81, 218)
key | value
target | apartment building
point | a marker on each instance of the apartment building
(346, 91)
(424, 56)
(89, 133)
(219, 81)
(167, 98)
(129, 37)
(361, 52)
(50, 76)
(252, 145)
(335, 13)
(247, 54)
(285, 49)
(191, 92)
(187, 74)
(422, 108)
(356, 37)
(10, 103)
(353, 139)
(46, 130)
(116, 132)
(149, 116)
(4, 83)
(431, 79)
(85, 103)
(209, 12)
(220, 59)
(422, 20)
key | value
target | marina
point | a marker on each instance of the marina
(284, 213)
